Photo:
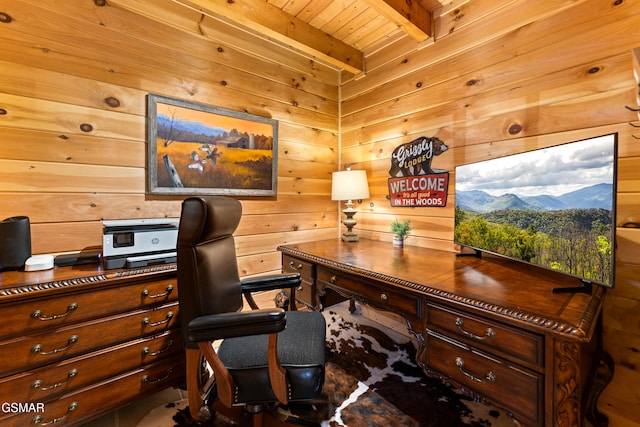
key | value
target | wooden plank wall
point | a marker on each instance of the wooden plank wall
(70, 63)
(500, 77)
(559, 77)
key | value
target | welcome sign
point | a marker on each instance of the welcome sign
(413, 181)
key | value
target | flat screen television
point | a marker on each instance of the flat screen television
(552, 207)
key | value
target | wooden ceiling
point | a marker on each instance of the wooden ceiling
(340, 33)
(346, 35)
(365, 25)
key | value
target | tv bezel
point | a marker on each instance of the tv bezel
(584, 283)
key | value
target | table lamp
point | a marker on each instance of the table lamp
(349, 185)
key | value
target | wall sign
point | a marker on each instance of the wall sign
(413, 181)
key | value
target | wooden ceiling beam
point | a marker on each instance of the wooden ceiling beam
(270, 21)
(410, 16)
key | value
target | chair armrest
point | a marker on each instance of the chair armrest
(244, 323)
(271, 282)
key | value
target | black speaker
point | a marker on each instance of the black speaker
(15, 242)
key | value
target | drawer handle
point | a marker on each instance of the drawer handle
(38, 419)
(384, 297)
(38, 347)
(38, 314)
(488, 333)
(37, 384)
(147, 321)
(490, 377)
(146, 379)
(148, 352)
(299, 289)
(293, 265)
(169, 289)
(333, 279)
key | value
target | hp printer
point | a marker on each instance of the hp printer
(139, 242)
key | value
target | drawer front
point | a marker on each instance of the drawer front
(40, 314)
(295, 265)
(39, 349)
(382, 297)
(52, 380)
(517, 389)
(84, 404)
(304, 292)
(527, 347)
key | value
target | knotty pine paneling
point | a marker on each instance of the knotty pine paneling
(488, 42)
(45, 115)
(130, 39)
(73, 83)
(473, 97)
(60, 208)
(255, 264)
(31, 83)
(559, 71)
(27, 176)
(453, 17)
(564, 77)
(195, 24)
(58, 147)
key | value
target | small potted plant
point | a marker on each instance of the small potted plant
(400, 231)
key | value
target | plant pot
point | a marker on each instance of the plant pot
(398, 242)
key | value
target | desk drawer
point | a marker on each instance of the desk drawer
(40, 314)
(304, 292)
(516, 388)
(295, 265)
(493, 336)
(52, 380)
(379, 296)
(40, 349)
(78, 407)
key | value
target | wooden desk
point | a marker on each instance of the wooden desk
(489, 325)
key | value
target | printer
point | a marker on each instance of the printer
(139, 242)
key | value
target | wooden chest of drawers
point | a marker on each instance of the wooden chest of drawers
(79, 342)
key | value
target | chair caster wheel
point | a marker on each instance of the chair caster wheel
(204, 414)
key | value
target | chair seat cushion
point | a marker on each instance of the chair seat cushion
(301, 351)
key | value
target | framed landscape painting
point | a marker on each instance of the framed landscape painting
(201, 149)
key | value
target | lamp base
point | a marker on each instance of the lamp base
(349, 237)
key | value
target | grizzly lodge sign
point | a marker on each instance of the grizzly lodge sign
(412, 181)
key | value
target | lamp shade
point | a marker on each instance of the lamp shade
(349, 185)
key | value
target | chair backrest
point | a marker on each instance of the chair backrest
(208, 278)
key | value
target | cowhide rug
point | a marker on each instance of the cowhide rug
(372, 380)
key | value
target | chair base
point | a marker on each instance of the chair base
(269, 417)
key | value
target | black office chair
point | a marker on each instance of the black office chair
(267, 357)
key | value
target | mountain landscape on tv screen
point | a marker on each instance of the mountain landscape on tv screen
(571, 233)
(597, 196)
